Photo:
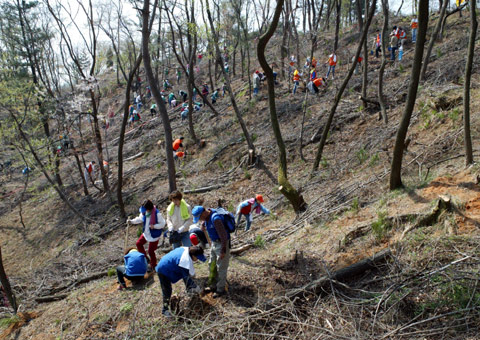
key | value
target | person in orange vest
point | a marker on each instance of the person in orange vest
(177, 147)
(414, 26)
(332, 62)
(296, 81)
(178, 155)
(315, 84)
(378, 43)
(89, 171)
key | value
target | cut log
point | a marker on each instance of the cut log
(50, 298)
(89, 278)
(138, 155)
(360, 267)
(239, 250)
(368, 101)
(204, 189)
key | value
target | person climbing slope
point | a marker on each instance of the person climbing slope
(152, 227)
(332, 62)
(245, 208)
(296, 81)
(89, 172)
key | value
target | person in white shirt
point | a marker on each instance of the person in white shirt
(179, 219)
(153, 224)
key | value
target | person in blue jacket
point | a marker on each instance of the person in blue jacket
(176, 265)
(134, 269)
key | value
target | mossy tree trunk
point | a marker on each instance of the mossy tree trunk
(285, 187)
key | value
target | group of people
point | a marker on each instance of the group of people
(314, 82)
(190, 231)
(90, 172)
(398, 37)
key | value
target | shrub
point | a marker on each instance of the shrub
(259, 242)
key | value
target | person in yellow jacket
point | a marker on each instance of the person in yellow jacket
(296, 81)
(179, 219)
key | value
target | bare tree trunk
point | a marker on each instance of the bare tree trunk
(338, 96)
(248, 138)
(303, 123)
(396, 172)
(432, 41)
(399, 8)
(79, 168)
(6, 285)
(466, 86)
(365, 61)
(381, 97)
(156, 94)
(39, 162)
(296, 200)
(337, 23)
(121, 139)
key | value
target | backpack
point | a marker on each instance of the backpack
(228, 219)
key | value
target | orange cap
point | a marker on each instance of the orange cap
(259, 198)
(180, 154)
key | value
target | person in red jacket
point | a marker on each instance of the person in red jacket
(246, 207)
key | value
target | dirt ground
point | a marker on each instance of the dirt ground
(350, 189)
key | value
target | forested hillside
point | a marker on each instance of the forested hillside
(341, 135)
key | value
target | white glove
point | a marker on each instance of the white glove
(181, 229)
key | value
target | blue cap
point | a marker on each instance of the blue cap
(196, 212)
(201, 257)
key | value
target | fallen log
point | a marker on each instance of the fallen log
(239, 250)
(368, 101)
(50, 298)
(138, 155)
(202, 190)
(360, 267)
(72, 284)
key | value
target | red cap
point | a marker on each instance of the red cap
(194, 239)
(259, 198)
